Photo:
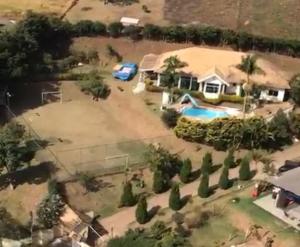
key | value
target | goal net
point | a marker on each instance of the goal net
(51, 96)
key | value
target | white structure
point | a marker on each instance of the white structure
(214, 72)
(128, 21)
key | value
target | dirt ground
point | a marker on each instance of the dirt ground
(97, 10)
(15, 8)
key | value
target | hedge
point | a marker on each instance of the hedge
(196, 34)
(224, 133)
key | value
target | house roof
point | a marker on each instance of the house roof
(202, 61)
(288, 181)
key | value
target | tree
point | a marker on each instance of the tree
(224, 182)
(203, 190)
(161, 182)
(115, 29)
(229, 161)
(244, 171)
(141, 213)
(295, 88)
(170, 72)
(50, 209)
(206, 167)
(170, 117)
(295, 123)
(186, 171)
(175, 202)
(250, 67)
(127, 198)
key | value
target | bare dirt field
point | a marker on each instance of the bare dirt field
(97, 10)
(15, 8)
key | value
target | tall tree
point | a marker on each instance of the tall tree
(244, 171)
(170, 73)
(160, 182)
(229, 161)
(186, 171)
(295, 88)
(250, 67)
(141, 212)
(203, 190)
(207, 163)
(224, 182)
(175, 202)
(127, 198)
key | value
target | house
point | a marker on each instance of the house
(284, 203)
(214, 72)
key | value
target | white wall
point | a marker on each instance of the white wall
(212, 95)
(264, 95)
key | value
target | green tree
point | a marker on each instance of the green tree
(175, 202)
(224, 182)
(295, 123)
(207, 163)
(186, 171)
(204, 190)
(244, 171)
(295, 88)
(161, 182)
(249, 66)
(50, 209)
(170, 72)
(170, 117)
(229, 160)
(115, 29)
(127, 198)
(141, 213)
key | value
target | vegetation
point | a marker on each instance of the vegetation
(295, 88)
(114, 29)
(161, 182)
(229, 161)
(113, 53)
(204, 190)
(186, 171)
(127, 199)
(227, 133)
(141, 212)
(295, 124)
(92, 83)
(224, 182)
(244, 171)
(170, 117)
(207, 164)
(175, 202)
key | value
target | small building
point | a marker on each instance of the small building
(214, 72)
(128, 21)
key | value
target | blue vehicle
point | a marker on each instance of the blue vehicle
(125, 71)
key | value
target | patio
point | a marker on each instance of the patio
(292, 216)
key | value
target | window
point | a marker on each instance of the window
(273, 93)
(212, 88)
(185, 82)
(195, 84)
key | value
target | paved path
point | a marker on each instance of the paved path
(119, 222)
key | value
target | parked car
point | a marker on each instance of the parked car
(289, 165)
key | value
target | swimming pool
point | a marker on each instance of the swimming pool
(203, 113)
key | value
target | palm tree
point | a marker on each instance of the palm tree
(170, 72)
(250, 67)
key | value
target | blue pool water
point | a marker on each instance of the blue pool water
(203, 113)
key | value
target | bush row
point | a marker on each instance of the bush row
(225, 133)
(197, 34)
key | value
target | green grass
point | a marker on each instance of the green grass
(217, 231)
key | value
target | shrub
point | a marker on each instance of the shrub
(133, 32)
(295, 124)
(127, 198)
(170, 117)
(244, 171)
(295, 88)
(161, 182)
(203, 190)
(154, 89)
(186, 171)
(224, 182)
(141, 212)
(89, 28)
(115, 29)
(229, 161)
(175, 202)
(206, 167)
(113, 53)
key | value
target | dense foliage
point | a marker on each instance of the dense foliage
(127, 199)
(186, 171)
(226, 133)
(244, 171)
(295, 124)
(203, 189)
(170, 117)
(295, 88)
(141, 213)
(224, 182)
(161, 181)
(175, 202)
(207, 163)
(229, 161)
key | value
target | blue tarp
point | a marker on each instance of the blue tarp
(126, 72)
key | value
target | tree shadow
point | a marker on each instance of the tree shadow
(32, 175)
(252, 173)
(185, 200)
(96, 185)
(153, 211)
(213, 189)
(215, 168)
(195, 175)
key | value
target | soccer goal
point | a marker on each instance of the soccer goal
(50, 96)
(121, 161)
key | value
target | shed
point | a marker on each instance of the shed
(128, 21)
